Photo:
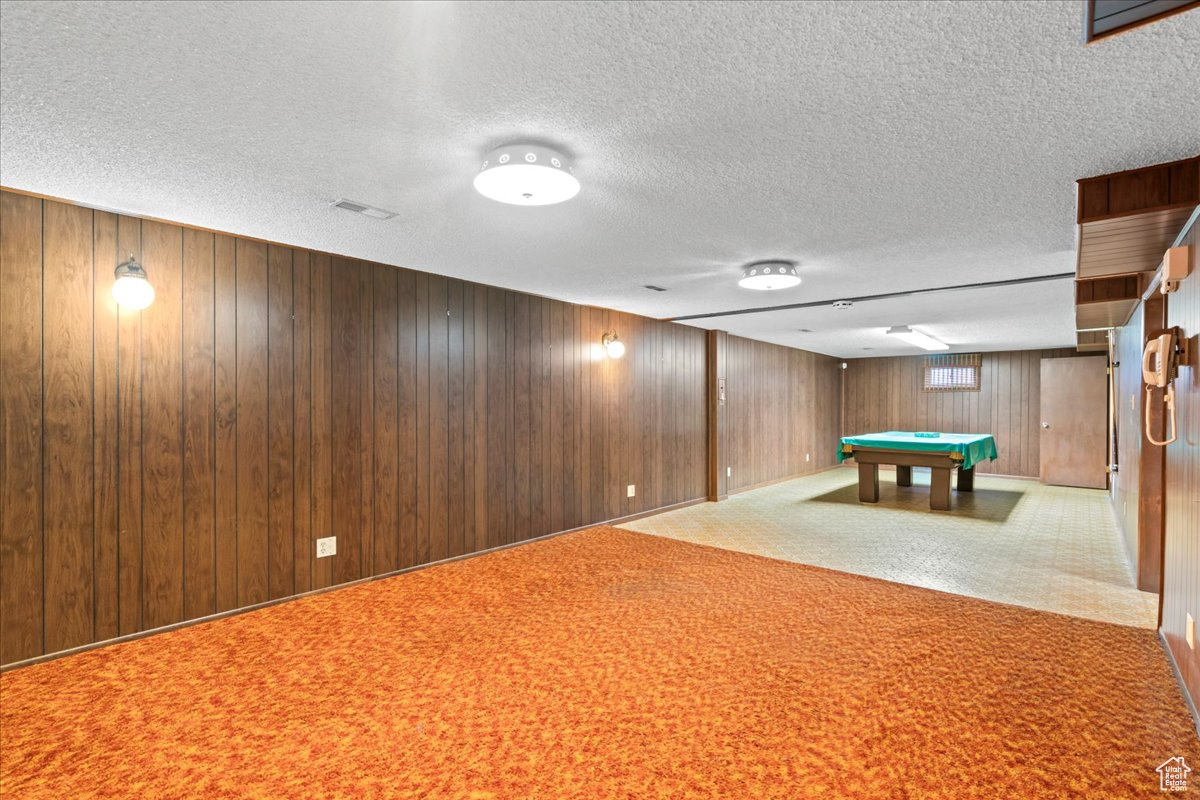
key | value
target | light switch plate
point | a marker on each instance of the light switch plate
(327, 547)
(631, 491)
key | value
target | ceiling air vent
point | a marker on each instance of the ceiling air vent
(804, 330)
(364, 209)
(654, 288)
(1108, 17)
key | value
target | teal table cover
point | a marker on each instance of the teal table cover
(974, 447)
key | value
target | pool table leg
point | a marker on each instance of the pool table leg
(939, 489)
(903, 475)
(966, 479)
(868, 483)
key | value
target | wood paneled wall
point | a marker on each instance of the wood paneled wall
(1137, 486)
(781, 405)
(884, 394)
(163, 466)
(1181, 552)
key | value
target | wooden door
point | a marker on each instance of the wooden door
(1074, 426)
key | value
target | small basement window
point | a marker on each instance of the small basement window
(957, 372)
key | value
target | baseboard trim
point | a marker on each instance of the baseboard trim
(1187, 696)
(129, 637)
(773, 481)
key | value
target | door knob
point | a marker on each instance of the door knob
(1045, 424)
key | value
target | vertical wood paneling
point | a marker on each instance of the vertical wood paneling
(253, 439)
(304, 545)
(439, 425)
(407, 400)
(481, 421)
(67, 426)
(456, 429)
(366, 378)
(225, 329)
(21, 583)
(129, 442)
(498, 452)
(105, 401)
(771, 408)
(281, 578)
(1181, 551)
(199, 425)
(422, 463)
(322, 415)
(271, 396)
(386, 419)
(162, 429)
(347, 434)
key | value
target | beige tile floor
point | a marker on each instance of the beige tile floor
(1013, 541)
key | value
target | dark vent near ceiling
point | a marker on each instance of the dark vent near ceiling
(654, 288)
(1108, 17)
(364, 209)
(804, 330)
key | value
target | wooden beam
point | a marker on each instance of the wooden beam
(1136, 191)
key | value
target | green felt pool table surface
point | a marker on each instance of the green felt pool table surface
(972, 447)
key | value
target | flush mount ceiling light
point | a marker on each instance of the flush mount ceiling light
(132, 290)
(527, 175)
(924, 341)
(766, 276)
(613, 346)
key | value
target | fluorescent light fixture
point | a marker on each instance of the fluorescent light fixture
(766, 276)
(526, 175)
(924, 341)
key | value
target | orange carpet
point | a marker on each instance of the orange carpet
(606, 664)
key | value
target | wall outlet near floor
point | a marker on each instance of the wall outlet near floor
(327, 547)
(1190, 631)
(729, 472)
(808, 456)
(631, 491)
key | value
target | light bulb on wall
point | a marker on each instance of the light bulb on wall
(613, 346)
(132, 290)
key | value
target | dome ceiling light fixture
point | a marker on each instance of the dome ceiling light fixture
(767, 276)
(527, 175)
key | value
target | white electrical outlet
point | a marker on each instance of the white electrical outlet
(729, 472)
(1190, 630)
(631, 491)
(327, 547)
(808, 456)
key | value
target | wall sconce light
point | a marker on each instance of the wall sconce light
(132, 289)
(613, 347)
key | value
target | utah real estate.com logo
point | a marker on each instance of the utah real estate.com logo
(1172, 775)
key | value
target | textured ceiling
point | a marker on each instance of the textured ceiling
(884, 146)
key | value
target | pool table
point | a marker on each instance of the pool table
(941, 452)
